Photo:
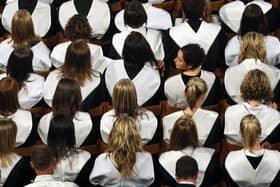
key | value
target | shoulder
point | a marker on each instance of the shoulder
(23, 113)
(208, 74)
(178, 29)
(208, 113)
(173, 116)
(82, 115)
(173, 79)
(35, 77)
(272, 40)
(66, 5)
(61, 46)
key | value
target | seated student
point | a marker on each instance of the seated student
(194, 30)
(157, 18)
(135, 19)
(67, 100)
(9, 108)
(253, 20)
(78, 28)
(77, 66)
(253, 165)
(189, 61)
(15, 169)
(41, 14)
(184, 141)
(125, 102)
(73, 165)
(140, 66)
(256, 92)
(124, 163)
(252, 56)
(207, 122)
(96, 11)
(23, 34)
(231, 13)
(43, 163)
(186, 171)
(30, 84)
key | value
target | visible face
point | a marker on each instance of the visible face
(179, 61)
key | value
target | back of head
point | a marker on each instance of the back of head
(193, 9)
(41, 158)
(195, 91)
(193, 55)
(67, 98)
(8, 96)
(252, 46)
(134, 14)
(256, 86)
(250, 130)
(253, 20)
(186, 168)
(8, 132)
(124, 142)
(77, 28)
(20, 64)
(77, 63)
(183, 134)
(137, 51)
(61, 136)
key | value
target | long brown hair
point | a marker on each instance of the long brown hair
(194, 90)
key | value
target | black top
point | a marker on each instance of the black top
(28, 5)
(83, 177)
(83, 6)
(185, 185)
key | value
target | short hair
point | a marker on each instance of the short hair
(196, 87)
(193, 55)
(20, 64)
(256, 86)
(78, 28)
(134, 14)
(8, 96)
(186, 167)
(184, 134)
(193, 9)
(253, 20)
(41, 157)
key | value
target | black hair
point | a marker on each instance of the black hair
(193, 9)
(193, 55)
(186, 167)
(134, 14)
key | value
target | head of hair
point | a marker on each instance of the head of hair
(193, 55)
(41, 157)
(252, 46)
(124, 142)
(250, 130)
(186, 167)
(77, 63)
(61, 136)
(8, 132)
(8, 96)
(137, 51)
(193, 9)
(195, 89)
(20, 64)
(253, 20)
(207, 12)
(183, 134)
(134, 14)
(67, 98)
(22, 29)
(77, 28)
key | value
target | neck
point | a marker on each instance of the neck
(254, 102)
(48, 171)
(256, 146)
(192, 72)
(190, 111)
(188, 180)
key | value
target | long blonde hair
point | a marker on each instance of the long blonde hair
(124, 142)
(195, 88)
(253, 46)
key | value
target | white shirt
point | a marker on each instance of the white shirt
(49, 181)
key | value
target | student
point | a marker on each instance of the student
(124, 163)
(135, 19)
(206, 121)
(67, 100)
(77, 66)
(253, 20)
(186, 171)
(96, 11)
(184, 141)
(189, 60)
(73, 165)
(15, 169)
(43, 163)
(140, 66)
(252, 56)
(256, 92)
(253, 165)
(30, 84)
(125, 102)
(23, 33)
(9, 108)
(78, 28)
